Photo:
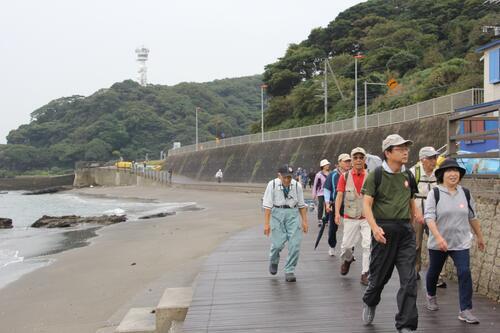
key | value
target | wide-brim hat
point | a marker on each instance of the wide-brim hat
(323, 163)
(449, 163)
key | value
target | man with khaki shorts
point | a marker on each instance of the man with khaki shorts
(355, 224)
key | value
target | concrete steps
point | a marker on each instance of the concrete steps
(166, 317)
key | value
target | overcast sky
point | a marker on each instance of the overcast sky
(55, 48)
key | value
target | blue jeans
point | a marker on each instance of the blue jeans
(461, 259)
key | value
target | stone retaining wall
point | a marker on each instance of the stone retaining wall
(35, 182)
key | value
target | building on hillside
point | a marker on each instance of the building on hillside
(488, 119)
(491, 59)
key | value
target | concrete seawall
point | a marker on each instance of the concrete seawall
(35, 182)
(259, 162)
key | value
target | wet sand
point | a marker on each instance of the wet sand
(127, 265)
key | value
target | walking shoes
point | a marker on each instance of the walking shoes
(344, 269)
(273, 268)
(368, 314)
(290, 277)
(468, 317)
(431, 303)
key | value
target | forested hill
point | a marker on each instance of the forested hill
(426, 45)
(130, 120)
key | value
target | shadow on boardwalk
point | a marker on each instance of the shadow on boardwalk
(235, 293)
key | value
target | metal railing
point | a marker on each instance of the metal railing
(430, 108)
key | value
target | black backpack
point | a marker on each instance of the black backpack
(466, 192)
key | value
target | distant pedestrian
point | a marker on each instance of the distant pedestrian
(450, 216)
(330, 193)
(317, 190)
(310, 177)
(283, 202)
(219, 175)
(170, 173)
(355, 225)
(389, 204)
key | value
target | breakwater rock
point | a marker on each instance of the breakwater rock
(156, 215)
(48, 190)
(72, 220)
(5, 223)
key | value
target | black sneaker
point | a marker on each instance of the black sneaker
(273, 269)
(290, 277)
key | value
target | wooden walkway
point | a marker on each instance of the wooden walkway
(235, 293)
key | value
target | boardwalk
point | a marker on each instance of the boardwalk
(235, 293)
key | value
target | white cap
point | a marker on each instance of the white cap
(427, 152)
(344, 157)
(323, 163)
(394, 140)
(358, 150)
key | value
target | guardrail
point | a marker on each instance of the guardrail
(430, 108)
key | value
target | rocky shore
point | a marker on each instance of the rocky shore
(5, 223)
(73, 220)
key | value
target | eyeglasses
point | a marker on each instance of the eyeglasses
(358, 157)
(402, 149)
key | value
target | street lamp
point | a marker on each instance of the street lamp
(262, 87)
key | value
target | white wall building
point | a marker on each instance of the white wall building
(491, 59)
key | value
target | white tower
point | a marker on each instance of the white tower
(142, 57)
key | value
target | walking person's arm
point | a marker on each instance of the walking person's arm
(267, 221)
(302, 208)
(303, 215)
(476, 226)
(314, 186)
(338, 203)
(340, 197)
(267, 204)
(416, 213)
(378, 232)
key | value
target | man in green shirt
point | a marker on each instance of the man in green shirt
(389, 205)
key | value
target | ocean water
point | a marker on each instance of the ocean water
(21, 247)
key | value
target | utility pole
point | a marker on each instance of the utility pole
(196, 111)
(325, 86)
(262, 87)
(356, 57)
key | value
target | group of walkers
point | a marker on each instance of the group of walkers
(386, 209)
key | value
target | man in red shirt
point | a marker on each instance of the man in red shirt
(355, 224)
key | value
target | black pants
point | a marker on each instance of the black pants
(332, 228)
(321, 206)
(398, 251)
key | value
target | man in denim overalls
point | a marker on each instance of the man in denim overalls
(283, 202)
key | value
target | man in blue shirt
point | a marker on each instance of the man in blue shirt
(330, 193)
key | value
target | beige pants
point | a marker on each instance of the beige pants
(354, 230)
(419, 234)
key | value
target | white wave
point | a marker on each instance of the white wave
(116, 211)
(8, 257)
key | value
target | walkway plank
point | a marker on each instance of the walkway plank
(235, 293)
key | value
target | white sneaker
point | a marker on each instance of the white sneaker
(331, 252)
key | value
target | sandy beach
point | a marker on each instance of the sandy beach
(127, 264)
